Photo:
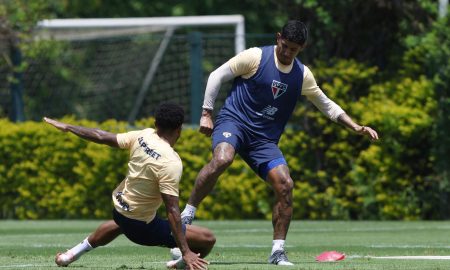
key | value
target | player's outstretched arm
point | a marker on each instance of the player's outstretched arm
(90, 134)
(363, 130)
(192, 260)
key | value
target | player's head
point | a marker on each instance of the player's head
(291, 40)
(295, 31)
(169, 118)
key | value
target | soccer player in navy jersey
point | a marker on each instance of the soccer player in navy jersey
(267, 83)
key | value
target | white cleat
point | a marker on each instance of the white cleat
(176, 264)
(175, 253)
(64, 259)
(279, 258)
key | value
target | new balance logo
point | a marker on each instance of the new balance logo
(278, 88)
(269, 110)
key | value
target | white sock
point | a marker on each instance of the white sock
(81, 248)
(277, 245)
(189, 210)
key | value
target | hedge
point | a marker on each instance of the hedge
(45, 173)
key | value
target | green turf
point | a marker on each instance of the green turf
(240, 245)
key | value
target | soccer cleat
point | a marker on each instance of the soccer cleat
(64, 259)
(175, 253)
(187, 220)
(279, 258)
(176, 264)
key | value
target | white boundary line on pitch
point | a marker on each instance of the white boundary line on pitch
(25, 265)
(54, 265)
(401, 257)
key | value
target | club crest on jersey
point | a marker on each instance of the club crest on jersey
(278, 88)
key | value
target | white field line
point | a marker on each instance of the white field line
(268, 245)
(246, 246)
(409, 246)
(436, 246)
(54, 265)
(362, 229)
(414, 257)
(400, 257)
(24, 265)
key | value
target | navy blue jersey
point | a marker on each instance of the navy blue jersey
(263, 103)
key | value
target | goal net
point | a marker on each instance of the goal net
(122, 69)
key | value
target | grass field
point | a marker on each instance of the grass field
(240, 245)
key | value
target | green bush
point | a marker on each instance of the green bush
(338, 174)
(48, 174)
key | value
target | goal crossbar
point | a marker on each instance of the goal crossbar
(235, 20)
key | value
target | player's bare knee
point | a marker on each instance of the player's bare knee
(221, 162)
(290, 184)
(284, 186)
(207, 237)
(210, 239)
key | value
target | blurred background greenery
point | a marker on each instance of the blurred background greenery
(385, 62)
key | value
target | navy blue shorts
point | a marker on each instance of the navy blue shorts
(155, 233)
(260, 154)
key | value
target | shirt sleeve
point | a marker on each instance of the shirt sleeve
(246, 63)
(215, 80)
(169, 178)
(313, 93)
(126, 140)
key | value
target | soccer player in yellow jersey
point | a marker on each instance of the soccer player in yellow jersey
(154, 172)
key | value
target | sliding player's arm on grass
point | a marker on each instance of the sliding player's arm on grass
(192, 260)
(91, 134)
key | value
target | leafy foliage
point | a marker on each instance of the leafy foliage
(337, 174)
(398, 85)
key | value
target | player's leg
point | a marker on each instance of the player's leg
(226, 140)
(207, 178)
(200, 239)
(282, 184)
(104, 234)
(267, 160)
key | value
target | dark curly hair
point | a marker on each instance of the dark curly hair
(169, 116)
(295, 31)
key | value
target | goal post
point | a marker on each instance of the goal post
(185, 32)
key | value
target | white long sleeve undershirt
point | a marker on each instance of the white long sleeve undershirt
(215, 80)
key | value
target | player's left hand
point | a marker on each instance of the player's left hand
(370, 132)
(56, 124)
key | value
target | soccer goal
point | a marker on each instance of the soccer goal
(123, 68)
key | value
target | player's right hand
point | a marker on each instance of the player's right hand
(193, 261)
(56, 124)
(206, 125)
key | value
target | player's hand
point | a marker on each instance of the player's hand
(206, 124)
(56, 124)
(193, 261)
(368, 131)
